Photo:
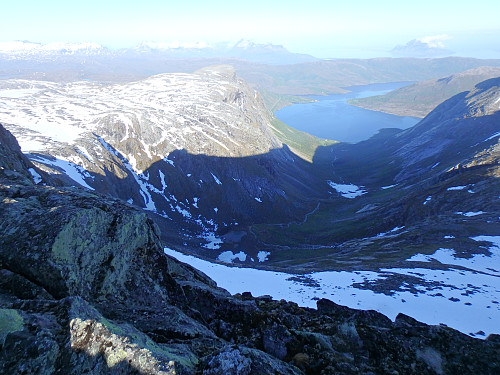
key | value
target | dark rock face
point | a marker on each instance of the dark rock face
(86, 288)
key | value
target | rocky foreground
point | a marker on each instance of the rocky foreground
(86, 288)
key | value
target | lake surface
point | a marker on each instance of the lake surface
(331, 117)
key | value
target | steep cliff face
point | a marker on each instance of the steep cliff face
(86, 287)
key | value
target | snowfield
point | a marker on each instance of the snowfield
(466, 298)
(347, 190)
(164, 113)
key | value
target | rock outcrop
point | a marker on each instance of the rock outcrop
(86, 288)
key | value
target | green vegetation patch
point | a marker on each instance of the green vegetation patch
(302, 144)
(10, 321)
(275, 102)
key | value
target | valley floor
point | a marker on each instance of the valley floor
(435, 289)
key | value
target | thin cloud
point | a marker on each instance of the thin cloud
(435, 41)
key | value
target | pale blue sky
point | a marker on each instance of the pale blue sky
(324, 28)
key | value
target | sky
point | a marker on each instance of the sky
(323, 28)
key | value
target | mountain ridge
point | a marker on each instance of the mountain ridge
(243, 49)
(421, 98)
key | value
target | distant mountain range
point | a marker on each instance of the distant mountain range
(243, 49)
(31, 49)
(276, 72)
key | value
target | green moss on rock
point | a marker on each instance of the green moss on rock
(10, 321)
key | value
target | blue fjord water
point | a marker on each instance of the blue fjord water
(331, 117)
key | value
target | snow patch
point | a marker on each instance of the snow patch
(36, 177)
(216, 179)
(262, 255)
(493, 136)
(347, 190)
(171, 162)
(73, 171)
(388, 187)
(229, 257)
(478, 262)
(470, 213)
(195, 202)
(393, 230)
(183, 212)
(213, 242)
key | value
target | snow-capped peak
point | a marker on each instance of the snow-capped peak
(171, 45)
(18, 46)
(246, 44)
(31, 48)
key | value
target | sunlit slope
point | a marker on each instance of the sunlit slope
(422, 97)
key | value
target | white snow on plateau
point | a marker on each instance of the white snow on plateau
(347, 190)
(465, 299)
(17, 93)
(168, 109)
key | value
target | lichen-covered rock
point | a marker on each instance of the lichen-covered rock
(230, 362)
